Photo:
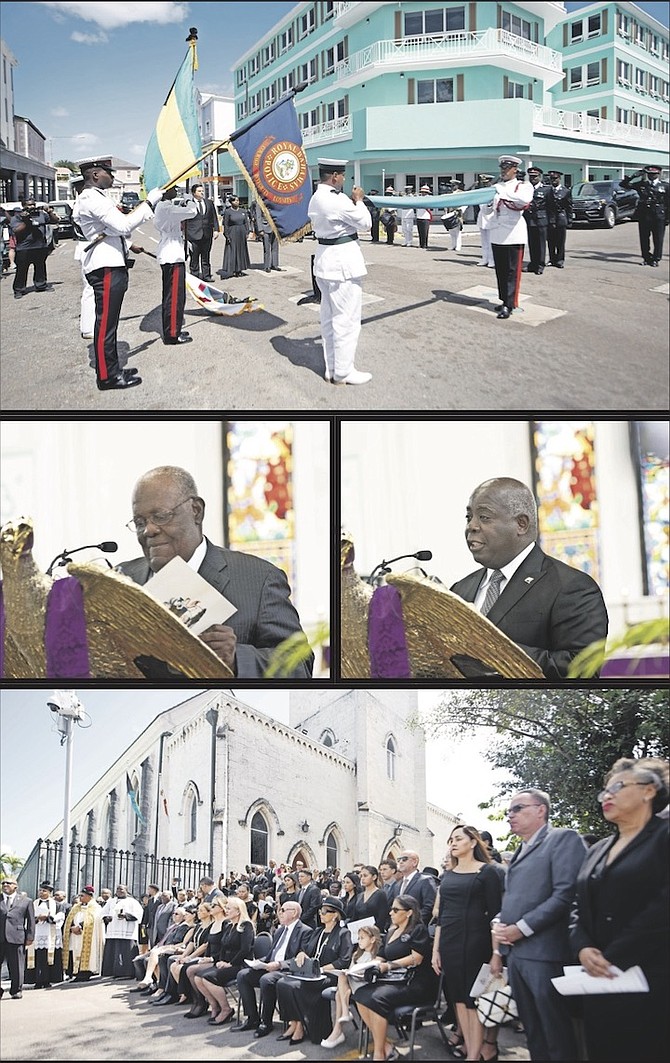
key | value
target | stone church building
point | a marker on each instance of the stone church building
(216, 781)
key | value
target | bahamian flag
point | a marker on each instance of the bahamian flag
(175, 147)
(268, 151)
(130, 789)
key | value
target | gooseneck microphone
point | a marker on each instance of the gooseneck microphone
(64, 557)
(383, 567)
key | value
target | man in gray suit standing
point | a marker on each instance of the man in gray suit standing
(168, 514)
(17, 930)
(532, 928)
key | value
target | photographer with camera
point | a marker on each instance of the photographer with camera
(30, 228)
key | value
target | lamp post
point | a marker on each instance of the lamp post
(72, 136)
(68, 710)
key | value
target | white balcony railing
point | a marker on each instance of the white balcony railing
(450, 46)
(328, 132)
(581, 124)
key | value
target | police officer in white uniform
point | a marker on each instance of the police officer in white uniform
(104, 262)
(171, 257)
(509, 233)
(339, 268)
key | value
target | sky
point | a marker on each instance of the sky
(32, 762)
(93, 76)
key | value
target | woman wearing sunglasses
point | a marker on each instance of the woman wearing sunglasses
(621, 915)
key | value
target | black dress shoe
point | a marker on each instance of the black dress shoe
(268, 270)
(16, 996)
(504, 312)
(243, 1026)
(559, 265)
(285, 1037)
(183, 338)
(539, 270)
(263, 1030)
(296, 1040)
(196, 1013)
(139, 989)
(165, 1000)
(278, 269)
(119, 382)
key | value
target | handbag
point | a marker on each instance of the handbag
(496, 1005)
(309, 969)
(398, 976)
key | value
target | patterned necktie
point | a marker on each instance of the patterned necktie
(280, 941)
(493, 592)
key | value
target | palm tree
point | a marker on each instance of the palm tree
(10, 864)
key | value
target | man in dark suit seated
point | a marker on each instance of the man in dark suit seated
(550, 610)
(288, 940)
(414, 884)
(168, 515)
(532, 926)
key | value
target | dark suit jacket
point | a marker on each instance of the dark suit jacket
(203, 224)
(550, 610)
(622, 908)
(424, 889)
(260, 591)
(299, 937)
(18, 924)
(310, 904)
(539, 889)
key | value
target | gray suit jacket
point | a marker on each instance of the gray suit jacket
(540, 888)
(18, 924)
(265, 615)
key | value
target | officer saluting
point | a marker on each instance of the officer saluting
(536, 220)
(104, 263)
(509, 231)
(653, 210)
(339, 268)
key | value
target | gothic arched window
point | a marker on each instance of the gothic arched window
(327, 738)
(192, 818)
(259, 840)
(391, 754)
(331, 850)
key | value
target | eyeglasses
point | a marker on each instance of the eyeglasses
(616, 786)
(397, 909)
(519, 808)
(402, 858)
(139, 524)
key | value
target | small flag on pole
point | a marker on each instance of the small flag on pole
(132, 794)
(175, 147)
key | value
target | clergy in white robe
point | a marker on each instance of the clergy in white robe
(121, 915)
(84, 937)
(44, 958)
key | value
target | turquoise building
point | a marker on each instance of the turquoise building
(417, 94)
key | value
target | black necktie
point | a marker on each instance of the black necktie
(280, 941)
(493, 592)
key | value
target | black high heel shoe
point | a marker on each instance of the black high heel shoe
(196, 1013)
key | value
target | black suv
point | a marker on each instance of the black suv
(129, 200)
(603, 203)
(64, 212)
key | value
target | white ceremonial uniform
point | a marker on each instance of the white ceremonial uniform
(87, 304)
(407, 225)
(95, 212)
(339, 269)
(508, 225)
(484, 222)
(168, 217)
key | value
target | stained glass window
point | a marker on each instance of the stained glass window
(651, 452)
(565, 487)
(259, 491)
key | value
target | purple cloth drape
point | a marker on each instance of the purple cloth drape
(387, 644)
(65, 642)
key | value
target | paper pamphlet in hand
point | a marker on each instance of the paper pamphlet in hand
(357, 970)
(576, 982)
(356, 925)
(189, 597)
(257, 965)
(481, 982)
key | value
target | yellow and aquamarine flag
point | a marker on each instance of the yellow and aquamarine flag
(175, 148)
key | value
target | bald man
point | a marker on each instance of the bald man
(552, 611)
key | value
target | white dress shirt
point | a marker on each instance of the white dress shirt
(508, 571)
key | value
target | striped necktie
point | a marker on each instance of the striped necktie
(493, 592)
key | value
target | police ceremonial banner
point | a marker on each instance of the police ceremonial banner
(175, 148)
(268, 150)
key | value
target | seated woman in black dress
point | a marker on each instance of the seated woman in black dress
(470, 896)
(406, 945)
(300, 1002)
(199, 1005)
(177, 984)
(351, 884)
(372, 902)
(621, 915)
(236, 946)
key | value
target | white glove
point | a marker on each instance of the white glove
(154, 196)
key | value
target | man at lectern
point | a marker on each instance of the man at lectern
(168, 514)
(552, 611)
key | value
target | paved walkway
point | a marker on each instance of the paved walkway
(101, 1020)
(593, 336)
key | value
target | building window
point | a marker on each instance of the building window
(595, 25)
(331, 851)
(514, 90)
(391, 754)
(259, 840)
(268, 95)
(434, 22)
(308, 71)
(576, 77)
(286, 83)
(286, 40)
(576, 32)
(253, 66)
(269, 54)
(306, 23)
(328, 61)
(342, 50)
(593, 74)
(327, 738)
(516, 25)
(327, 10)
(439, 90)
(241, 75)
(192, 818)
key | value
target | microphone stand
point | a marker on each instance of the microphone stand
(64, 557)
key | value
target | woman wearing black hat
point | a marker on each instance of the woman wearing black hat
(300, 1002)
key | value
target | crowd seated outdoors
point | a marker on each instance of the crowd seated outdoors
(316, 956)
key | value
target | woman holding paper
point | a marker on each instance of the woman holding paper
(470, 896)
(621, 915)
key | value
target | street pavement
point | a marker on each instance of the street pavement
(102, 1020)
(593, 336)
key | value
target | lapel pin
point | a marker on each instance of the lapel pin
(529, 579)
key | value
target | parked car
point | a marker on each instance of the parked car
(64, 211)
(129, 200)
(603, 203)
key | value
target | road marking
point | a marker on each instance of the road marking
(664, 289)
(533, 314)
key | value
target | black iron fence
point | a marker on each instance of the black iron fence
(91, 865)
